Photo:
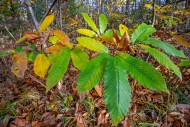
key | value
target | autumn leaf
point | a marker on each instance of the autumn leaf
(124, 42)
(31, 36)
(87, 32)
(54, 48)
(116, 38)
(149, 6)
(119, 3)
(21, 39)
(41, 65)
(98, 90)
(53, 39)
(122, 29)
(19, 64)
(62, 37)
(46, 22)
(181, 40)
(107, 40)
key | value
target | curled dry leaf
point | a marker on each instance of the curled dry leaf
(116, 37)
(54, 48)
(124, 42)
(31, 36)
(19, 64)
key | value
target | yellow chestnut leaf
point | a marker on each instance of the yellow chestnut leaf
(41, 65)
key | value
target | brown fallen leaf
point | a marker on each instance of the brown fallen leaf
(12, 125)
(34, 123)
(60, 124)
(19, 64)
(98, 90)
(181, 40)
(24, 114)
(80, 121)
(177, 124)
(184, 108)
(20, 122)
(175, 114)
(169, 119)
(127, 123)
(101, 118)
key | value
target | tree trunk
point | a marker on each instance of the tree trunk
(127, 8)
(167, 2)
(187, 6)
(36, 23)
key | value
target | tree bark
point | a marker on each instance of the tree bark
(36, 23)
(153, 12)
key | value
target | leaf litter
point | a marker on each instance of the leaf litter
(25, 102)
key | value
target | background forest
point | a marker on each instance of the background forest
(28, 98)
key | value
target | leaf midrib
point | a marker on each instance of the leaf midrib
(139, 35)
(149, 76)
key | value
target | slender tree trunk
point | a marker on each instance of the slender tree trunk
(127, 10)
(36, 23)
(60, 14)
(187, 6)
(153, 12)
(167, 2)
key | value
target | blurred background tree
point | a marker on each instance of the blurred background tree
(170, 14)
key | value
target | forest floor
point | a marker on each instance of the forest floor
(24, 102)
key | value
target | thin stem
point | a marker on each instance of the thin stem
(10, 33)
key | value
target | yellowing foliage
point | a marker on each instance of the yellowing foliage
(46, 22)
(54, 48)
(86, 32)
(122, 29)
(148, 6)
(21, 39)
(19, 65)
(41, 65)
(62, 37)
(53, 39)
